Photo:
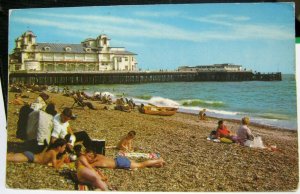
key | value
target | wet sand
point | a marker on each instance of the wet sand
(192, 162)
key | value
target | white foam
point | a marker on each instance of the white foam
(105, 93)
(159, 101)
(194, 109)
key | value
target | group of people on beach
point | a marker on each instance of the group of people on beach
(53, 142)
(222, 134)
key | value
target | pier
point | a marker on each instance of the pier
(77, 78)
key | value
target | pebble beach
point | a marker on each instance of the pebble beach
(192, 162)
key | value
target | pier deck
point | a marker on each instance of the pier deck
(76, 78)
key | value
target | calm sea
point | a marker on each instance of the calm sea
(270, 103)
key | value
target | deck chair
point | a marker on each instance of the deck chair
(78, 103)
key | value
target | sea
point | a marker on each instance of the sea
(271, 103)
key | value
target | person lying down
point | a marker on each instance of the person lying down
(45, 157)
(121, 162)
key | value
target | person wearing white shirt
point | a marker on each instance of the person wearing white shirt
(62, 129)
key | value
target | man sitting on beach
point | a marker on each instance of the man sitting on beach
(45, 157)
(126, 142)
(121, 162)
(62, 129)
(39, 127)
(41, 102)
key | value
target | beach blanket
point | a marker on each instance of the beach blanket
(221, 140)
(139, 155)
(213, 140)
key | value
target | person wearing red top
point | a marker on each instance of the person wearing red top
(222, 130)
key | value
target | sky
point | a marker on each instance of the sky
(258, 36)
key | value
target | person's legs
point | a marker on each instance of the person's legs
(16, 157)
(34, 147)
(148, 163)
(89, 176)
(90, 105)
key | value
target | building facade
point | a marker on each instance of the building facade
(90, 55)
(215, 67)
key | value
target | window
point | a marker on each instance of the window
(119, 59)
(87, 49)
(126, 58)
(46, 48)
(29, 39)
(31, 55)
(68, 49)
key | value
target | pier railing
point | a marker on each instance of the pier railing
(75, 78)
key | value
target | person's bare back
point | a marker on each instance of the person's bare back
(126, 142)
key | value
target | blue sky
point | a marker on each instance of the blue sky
(258, 36)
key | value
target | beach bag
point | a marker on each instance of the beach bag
(255, 143)
(22, 121)
(98, 146)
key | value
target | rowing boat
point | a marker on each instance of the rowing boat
(156, 110)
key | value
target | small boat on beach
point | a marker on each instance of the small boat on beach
(156, 110)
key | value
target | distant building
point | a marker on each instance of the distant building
(215, 67)
(89, 55)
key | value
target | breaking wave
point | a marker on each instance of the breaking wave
(199, 102)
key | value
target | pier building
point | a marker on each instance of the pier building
(215, 67)
(92, 54)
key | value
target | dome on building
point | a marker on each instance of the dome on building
(28, 33)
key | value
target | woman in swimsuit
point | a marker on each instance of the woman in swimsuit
(88, 175)
(45, 157)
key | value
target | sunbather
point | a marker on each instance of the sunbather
(126, 142)
(86, 174)
(79, 100)
(18, 100)
(45, 157)
(120, 162)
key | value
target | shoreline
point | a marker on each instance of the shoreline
(192, 163)
(186, 110)
(251, 123)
